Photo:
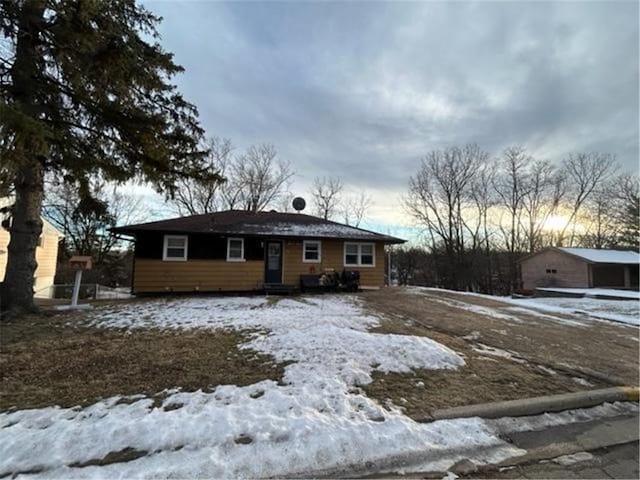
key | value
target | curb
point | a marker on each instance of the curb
(538, 405)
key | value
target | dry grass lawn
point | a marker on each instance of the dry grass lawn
(57, 360)
(549, 357)
(482, 379)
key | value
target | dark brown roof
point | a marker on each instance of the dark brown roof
(259, 224)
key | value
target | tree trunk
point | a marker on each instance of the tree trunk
(26, 228)
(28, 153)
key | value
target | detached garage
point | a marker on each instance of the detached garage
(580, 268)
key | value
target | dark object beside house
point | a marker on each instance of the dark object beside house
(331, 281)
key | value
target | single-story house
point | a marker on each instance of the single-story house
(46, 257)
(580, 268)
(239, 250)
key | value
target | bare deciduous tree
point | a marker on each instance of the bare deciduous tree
(257, 179)
(355, 208)
(585, 172)
(195, 196)
(85, 221)
(325, 194)
(545, 191)
(602, 226)
(629, 210)
(439, 195)
(512, 187)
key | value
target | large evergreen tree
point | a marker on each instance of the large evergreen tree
(85, 91)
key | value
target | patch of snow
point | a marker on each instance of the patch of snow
(475, 335)
(582, 310)
(548, 370)
(553, 318)
(316, 422)
(622, 311)
(319, 230)
(566, 460)
(582, 381)
(497, 352)
(480, 310)
(596, 292)
(546, 420)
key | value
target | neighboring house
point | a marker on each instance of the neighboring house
(580, 268)
(46, 256)
(242, 251)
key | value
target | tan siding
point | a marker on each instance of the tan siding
(193, 275)
(46, 256)
(4, 242)
(571, 271)
(332, 257)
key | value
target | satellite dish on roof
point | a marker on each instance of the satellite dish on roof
(299, 204)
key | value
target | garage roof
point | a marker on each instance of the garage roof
(603, 256)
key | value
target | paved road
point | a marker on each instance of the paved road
(618, 461)
(604, 448)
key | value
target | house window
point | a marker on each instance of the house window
(552, 270)
(175, 247)
(359, 255)
(235, 250)
(40, 242)
(311, 251)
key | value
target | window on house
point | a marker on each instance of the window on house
(359, 255)
(40, 242)
(175, 247)
(552, 270)
(235, 249)
(311, 251)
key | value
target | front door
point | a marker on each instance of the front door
(273, 262)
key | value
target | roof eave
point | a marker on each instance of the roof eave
(135, 231)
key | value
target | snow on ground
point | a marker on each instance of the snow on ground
(497, 352)
(318, 421)
(623, 311)
(478, 309)
(597, 292)
(566, 460)
(582, 310)
(508, 425)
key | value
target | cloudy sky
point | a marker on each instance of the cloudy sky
(362, 90)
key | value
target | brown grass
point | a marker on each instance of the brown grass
(57, 360)
(482, 379)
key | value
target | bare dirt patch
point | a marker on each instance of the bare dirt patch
(58, 360)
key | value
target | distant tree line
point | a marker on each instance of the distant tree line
(481, 214)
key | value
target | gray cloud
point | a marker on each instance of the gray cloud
(363, 90)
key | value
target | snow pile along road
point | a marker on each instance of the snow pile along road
(318, 421)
